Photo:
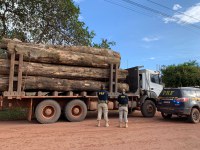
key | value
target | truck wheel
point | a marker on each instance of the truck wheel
(194, 116)
(166, 116)
(148, 108)
(75, 111)
(47, 111)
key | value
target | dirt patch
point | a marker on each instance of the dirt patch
(142, 133)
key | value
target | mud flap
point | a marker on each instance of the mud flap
(30, 112)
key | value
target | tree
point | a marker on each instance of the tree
(45, 21)
(104, 44)
(181, 75)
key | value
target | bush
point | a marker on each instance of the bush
(181, 75)
(13, 114)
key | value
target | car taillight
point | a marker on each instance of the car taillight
(182, 99)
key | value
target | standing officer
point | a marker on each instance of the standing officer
(102, 105)
(123, 108)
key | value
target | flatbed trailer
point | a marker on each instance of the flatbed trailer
(47, 106)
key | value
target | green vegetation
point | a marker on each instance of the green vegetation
(52, 22)
(104, 44)
(13, 114)
(181, 75)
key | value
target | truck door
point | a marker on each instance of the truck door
(154, 83)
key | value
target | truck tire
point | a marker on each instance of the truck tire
(47, 111)
(194, 115)
(75, 110)
(148, 108)
(166, 116)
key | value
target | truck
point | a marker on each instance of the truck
(47, 106)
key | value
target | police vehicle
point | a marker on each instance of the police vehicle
(183, 101)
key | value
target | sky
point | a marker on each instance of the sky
(148, 33)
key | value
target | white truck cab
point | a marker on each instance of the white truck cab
(150, 81)
(147, 84)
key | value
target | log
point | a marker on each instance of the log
(3, 83)
(78, 49)
(52, 56)
(61, 71)
(4, 42)
(54, 84)
(87, 50)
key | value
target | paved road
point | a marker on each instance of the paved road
(142, 134)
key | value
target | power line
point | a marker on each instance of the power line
(119, 4)
(155, 14)
(155, 11)
(173, 10)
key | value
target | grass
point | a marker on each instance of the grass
(13, 114)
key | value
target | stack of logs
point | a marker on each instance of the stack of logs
(60, 68)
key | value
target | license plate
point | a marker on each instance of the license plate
(166, 102)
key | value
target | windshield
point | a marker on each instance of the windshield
(155, 78)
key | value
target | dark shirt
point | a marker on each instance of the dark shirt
(123, 99)
(103, 95)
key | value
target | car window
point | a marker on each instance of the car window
(171, 93)
(189, 93)
(198, 93)
(155, 78)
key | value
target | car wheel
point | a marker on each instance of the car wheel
(194, 115)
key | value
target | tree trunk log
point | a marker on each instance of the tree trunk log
(71, 55)
(52, 56)
(4, 42)
(54, 84)
(61, 71)
(77, 49)
(87, 50)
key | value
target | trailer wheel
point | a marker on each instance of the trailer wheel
(194, 116)
(47, 111)
(148, 108)
(75, 111)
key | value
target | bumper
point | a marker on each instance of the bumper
(172, 110)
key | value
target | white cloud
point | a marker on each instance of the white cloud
(152, 58)
(151, 39)
(78, 1)
(190, 16)
(177, 7)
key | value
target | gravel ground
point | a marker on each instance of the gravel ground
(142, 134)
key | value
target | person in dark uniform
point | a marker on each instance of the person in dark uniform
(123, 109)
(102, 106)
